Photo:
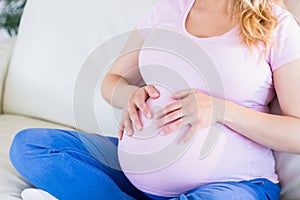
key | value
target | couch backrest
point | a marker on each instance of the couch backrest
(55, 38)
(294, 7)
(6, 49)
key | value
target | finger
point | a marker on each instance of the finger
(171, 117)
(181, 94)
(128, 126)
(152, 91)
(134, 116)
(121, 131)
(190, 133)
(144, 109)
(167, 109)
(173, 126)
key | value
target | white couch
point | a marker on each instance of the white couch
(41, 69)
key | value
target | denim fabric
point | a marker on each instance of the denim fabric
(257, 189)
(57, 161)
(79, 166)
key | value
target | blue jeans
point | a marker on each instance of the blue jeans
(59, 162)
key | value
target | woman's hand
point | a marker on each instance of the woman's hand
(136, 102)
(192, 107)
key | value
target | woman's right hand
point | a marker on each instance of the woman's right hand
(136, 102)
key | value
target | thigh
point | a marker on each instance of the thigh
(258, 189)
(78, 159)
(104, 150)
(40, 141)
(94, 149)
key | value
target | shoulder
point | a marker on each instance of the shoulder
(284, 16)
(285, 40)
(287, 24)
(164, 12)
(169, 8)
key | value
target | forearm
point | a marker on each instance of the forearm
(116, 90)
(278, 132)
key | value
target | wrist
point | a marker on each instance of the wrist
(126, 93)
(219, 109)
(230, 112)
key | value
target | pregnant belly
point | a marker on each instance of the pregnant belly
(158, 165)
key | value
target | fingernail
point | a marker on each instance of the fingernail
(148, 115)
(139, 127)
(163, 133)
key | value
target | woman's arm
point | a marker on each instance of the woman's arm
(279, 132)
(120, 86)
(123, 77)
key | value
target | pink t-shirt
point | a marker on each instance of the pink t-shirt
(246, 79)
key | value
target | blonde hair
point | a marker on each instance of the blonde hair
(256, 20)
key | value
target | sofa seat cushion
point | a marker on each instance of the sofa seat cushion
(11, 183)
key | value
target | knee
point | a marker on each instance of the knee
(31, 144)
(24, 145)
(17, 148)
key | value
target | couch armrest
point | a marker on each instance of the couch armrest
(6, 49)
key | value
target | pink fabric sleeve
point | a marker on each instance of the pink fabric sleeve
(285, 45)
(150, 19)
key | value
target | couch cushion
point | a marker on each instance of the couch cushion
(287, 166)
(6, 48)
(294, 7)
(55, 37)
(11, 183)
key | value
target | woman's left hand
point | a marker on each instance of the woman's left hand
(192, 107)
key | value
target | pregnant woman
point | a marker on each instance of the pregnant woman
(181, 136)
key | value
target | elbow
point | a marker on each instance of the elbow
(104, 90)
